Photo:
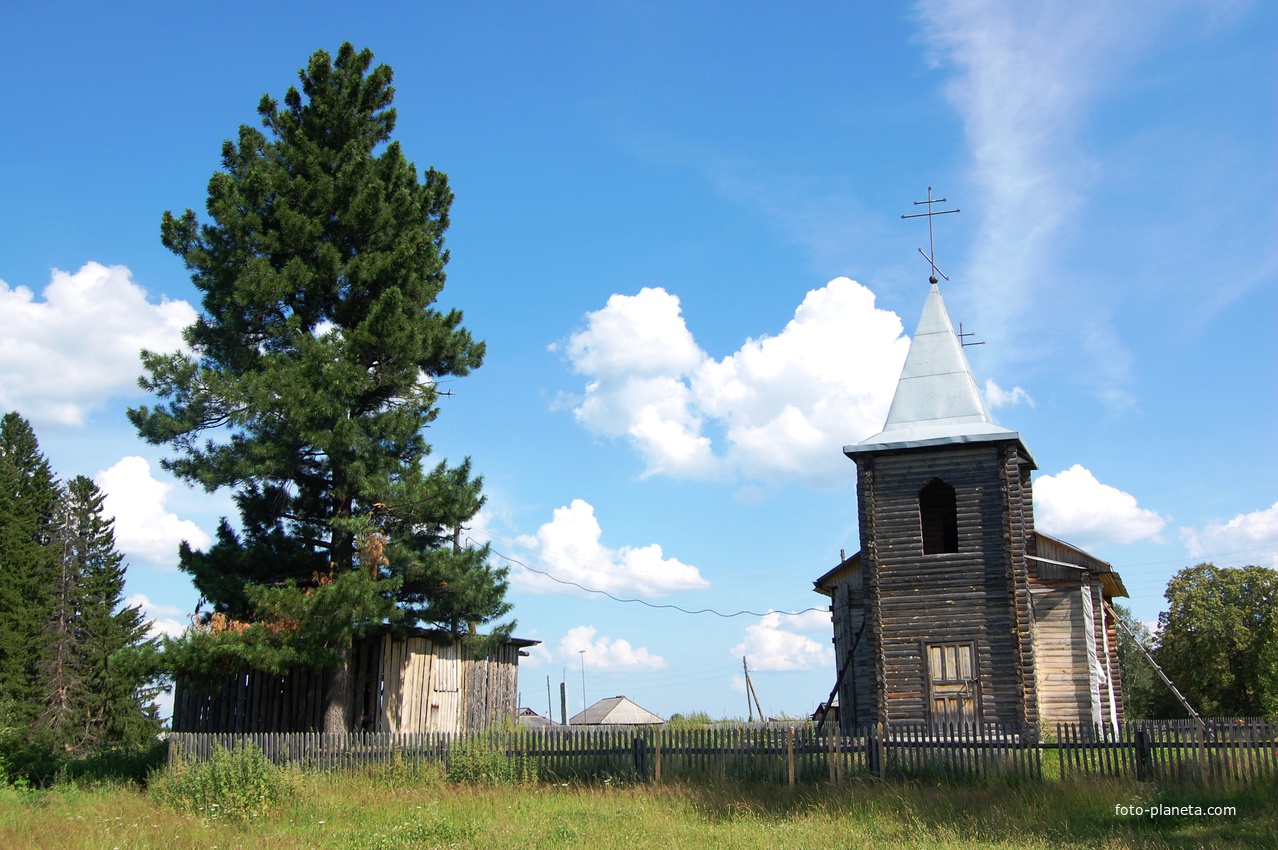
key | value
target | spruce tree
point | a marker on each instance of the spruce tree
(93, 700)
(28, 499)
(313, 371)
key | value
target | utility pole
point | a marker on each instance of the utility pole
(582, 653)
(751, 692)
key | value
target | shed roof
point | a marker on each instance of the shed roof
(937, 399)
(615, 711)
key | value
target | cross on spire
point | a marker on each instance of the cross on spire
(931, 244)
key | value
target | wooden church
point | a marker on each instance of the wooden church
(956, 610)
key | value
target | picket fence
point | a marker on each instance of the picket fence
(1217, 752)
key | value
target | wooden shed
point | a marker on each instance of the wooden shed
(956, 610)
(415, 681)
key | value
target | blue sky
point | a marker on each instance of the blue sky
(678, 230)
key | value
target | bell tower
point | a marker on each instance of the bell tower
(946, 516)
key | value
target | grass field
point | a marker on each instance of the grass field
(390, 809)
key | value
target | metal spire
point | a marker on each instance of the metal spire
(931, 244)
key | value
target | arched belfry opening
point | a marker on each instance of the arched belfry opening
(938, 515)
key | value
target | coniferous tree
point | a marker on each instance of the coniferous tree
(94, 702)
(313, 372)
(28, 499)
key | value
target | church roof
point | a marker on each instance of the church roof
(937, 399)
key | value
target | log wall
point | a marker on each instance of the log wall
(979, 594)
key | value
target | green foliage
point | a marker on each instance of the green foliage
(91, 702)
(233, 784)
(1144, 694)
(29, 496)
(313, 370)
(62, 623)
(133, 764)
(691, 720)
(479, 761)
(293, 627)
(1219, 639)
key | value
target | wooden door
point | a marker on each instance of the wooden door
(954, 691)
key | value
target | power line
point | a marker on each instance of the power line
(724, 614)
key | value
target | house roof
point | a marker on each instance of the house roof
(526, 718)
(841, 573)
(615, 711)
(1054, 559)
(937, 399)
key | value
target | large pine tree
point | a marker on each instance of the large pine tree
(313, 371)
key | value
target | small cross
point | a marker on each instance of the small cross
(931, 244)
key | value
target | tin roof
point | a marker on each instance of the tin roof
(937, 399)
(615, 711)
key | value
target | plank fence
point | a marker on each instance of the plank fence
(1216, 753)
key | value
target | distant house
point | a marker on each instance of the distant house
(956, 610)
(526, 718)
(415, 681)
(615, 711)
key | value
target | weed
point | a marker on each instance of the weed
(479, 761)
(235, 784)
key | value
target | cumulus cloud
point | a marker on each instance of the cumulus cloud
(569, 547)
(605, 653)
(144, 527)
(1246, 537)
(779, 642)
(785, 404)
(1074, 504)
(164, 619)
(63, 356)
(999, 397)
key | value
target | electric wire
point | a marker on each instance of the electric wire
(661, 606)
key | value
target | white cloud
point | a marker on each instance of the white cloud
(1242, 538)
(776, 642)
(786, 404)
(1027, 76)
(605, 653)
(999, 397)
(1074, 503)
(164, 619)
(65, 355)
(144, 528)
(569, 547)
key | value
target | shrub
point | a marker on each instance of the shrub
(480, 761)
(234, 784)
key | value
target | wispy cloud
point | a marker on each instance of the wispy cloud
(1026, 76)
(1250, 538)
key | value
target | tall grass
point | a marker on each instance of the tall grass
(388, 807)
